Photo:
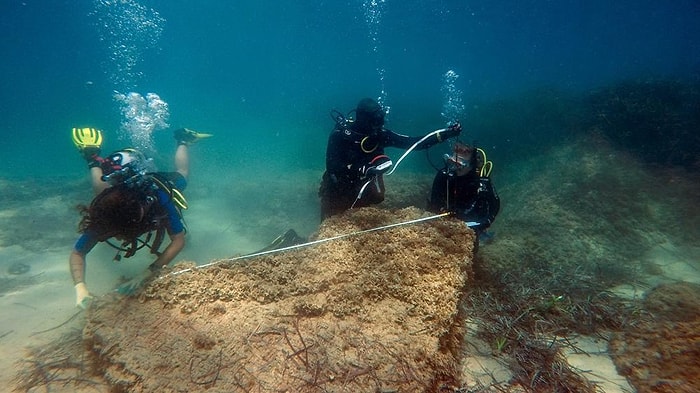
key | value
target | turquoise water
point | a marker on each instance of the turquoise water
(528, 79)
(263, 76)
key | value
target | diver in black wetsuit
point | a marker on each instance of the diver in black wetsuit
(464, 188)
(355, 159)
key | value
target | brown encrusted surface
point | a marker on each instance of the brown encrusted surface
(663, 354)
(374, 312)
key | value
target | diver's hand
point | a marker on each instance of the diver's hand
(451, 131)
(83, 298)
(130, 287)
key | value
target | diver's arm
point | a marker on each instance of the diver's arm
(438, 136)
(82, 247)
(405, 142)
(77, 270)
(77, 266)
(400, 141)
(177, 243)
(494, 202)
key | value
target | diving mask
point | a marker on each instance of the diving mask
(125, 166)
(456, 163)
(460, 162)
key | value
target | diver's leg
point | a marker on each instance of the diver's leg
(182, 160)
(98, 185)
(88, 140)
(184, 138)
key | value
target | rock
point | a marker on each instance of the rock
(378, 311)
(661, 354)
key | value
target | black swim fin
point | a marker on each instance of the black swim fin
(287, 239)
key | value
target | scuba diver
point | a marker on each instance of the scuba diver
(464, 188)
(355, 159)
(132, 201)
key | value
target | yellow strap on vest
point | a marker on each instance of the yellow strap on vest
(177, 196)
(179, 199)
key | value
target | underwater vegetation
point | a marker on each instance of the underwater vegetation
(529, 316)
(658, 120)
(590, 185)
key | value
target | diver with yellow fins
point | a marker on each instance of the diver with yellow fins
(134, 204)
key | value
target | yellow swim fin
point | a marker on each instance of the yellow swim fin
(87, 138)
(186, 136)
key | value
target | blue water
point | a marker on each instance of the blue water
(263, 76)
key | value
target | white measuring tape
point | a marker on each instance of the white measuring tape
(257, 254)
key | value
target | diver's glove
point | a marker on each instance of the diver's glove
(83, 298)
(379, 165)
(130, 287)
(450, 132)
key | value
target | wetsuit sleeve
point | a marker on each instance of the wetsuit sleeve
(175, 224)
(405, 142)
(490, 194)
(394, 139)
(85, 243)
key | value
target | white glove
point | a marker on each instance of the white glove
(82, 296)
(130, 287)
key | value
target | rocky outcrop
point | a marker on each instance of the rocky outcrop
(375, 312)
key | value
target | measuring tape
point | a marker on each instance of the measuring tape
(302, 245)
